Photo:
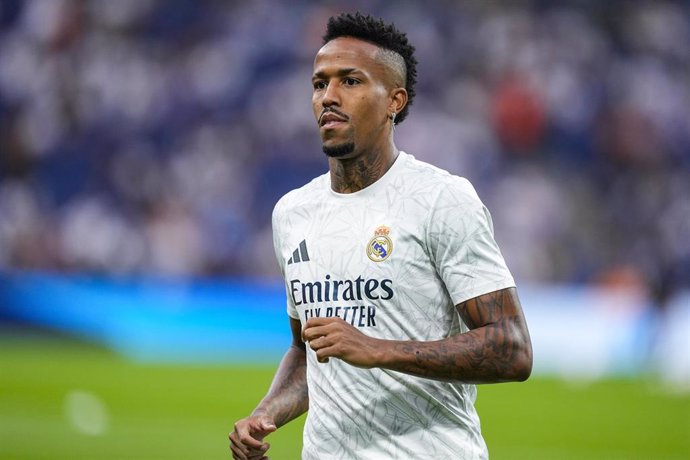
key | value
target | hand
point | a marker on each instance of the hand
(335, 338)
(246, 441)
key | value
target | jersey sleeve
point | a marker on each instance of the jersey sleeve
(461, 243)
(277, 226)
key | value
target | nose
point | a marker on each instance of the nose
(331, 95)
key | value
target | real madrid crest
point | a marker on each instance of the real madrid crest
(380, 246)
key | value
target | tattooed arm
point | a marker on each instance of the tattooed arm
(287, 399)
(496, 349)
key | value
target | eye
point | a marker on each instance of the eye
(319, 84)
(349, 81)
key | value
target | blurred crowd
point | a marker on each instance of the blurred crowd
(155, 136)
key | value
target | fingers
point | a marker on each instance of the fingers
(242, 451)
(238, 453)
(244, 436)
(317, 327)
(325, 347)
(333, 337)
(323, 354)
(322, 321)
(322, 346)
(267, 425)
(324, 336)
(246, 441)
(257, 456)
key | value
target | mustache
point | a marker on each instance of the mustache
(330, 110)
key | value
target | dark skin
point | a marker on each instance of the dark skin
(287, 399)
(496, 349)
(351, 79)
(355, 93)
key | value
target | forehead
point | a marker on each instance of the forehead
(348, 52)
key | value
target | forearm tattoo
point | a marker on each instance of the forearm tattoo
(496, 349)
(288, 397)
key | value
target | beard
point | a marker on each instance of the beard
(338, 151)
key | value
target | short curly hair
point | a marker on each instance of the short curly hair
(385, 36)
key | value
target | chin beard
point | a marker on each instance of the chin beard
(338, 151)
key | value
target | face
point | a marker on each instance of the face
(352, 97)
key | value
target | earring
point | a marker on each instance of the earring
(392, 117)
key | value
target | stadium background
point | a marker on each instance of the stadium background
(143, 144)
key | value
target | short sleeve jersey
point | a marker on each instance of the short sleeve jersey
(392, 260)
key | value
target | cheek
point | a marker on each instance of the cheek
(372, 113)
(316, 106)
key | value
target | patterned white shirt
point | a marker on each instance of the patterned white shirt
(393, 260)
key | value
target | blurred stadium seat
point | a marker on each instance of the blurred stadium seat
(152, 138)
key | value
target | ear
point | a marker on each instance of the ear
(398, 100)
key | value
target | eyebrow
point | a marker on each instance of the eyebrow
(339, 73)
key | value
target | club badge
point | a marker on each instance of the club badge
(380, 246)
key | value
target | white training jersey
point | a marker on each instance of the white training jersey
(392, 260)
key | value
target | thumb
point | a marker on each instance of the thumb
(267, 424)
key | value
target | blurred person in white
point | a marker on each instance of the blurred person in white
(399, 299)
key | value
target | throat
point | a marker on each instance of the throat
(354, 174)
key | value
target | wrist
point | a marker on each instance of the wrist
(396, 354)
(262, 411)
(381, 352)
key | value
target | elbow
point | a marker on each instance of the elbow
(521, 356)
(523, 369)
(523, 363)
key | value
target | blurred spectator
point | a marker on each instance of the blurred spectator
(152, 136)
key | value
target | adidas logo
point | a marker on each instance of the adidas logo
(300, 254)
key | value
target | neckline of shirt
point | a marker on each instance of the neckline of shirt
(366, 191)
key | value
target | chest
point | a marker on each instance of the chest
(368, 265)
(373, 241)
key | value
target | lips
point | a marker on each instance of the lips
(329, 119)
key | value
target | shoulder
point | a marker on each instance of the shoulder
(438, 184)
(300, 198)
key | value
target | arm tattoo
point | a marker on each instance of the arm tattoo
(496, 349)
(288, 397)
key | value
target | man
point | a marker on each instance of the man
(394, 280)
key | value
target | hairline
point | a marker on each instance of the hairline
(392, 59)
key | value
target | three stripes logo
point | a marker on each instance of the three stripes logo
(300, 254)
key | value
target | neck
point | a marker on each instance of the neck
(349, 175)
